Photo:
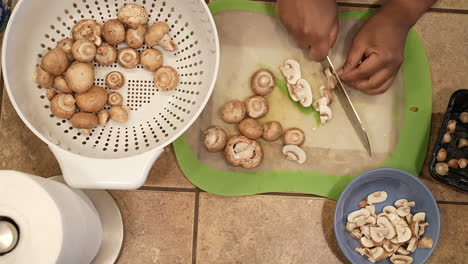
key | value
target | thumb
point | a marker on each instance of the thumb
(355, 55)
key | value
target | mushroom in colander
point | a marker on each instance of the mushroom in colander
(115, 80)
(106, 54)
(84, 50)
(135, 38)
(55, 62)
(63, 106)
(88, 29)
(113, 32)
(128, 58)
(133, 15)
(80, 77)
(158, 34)
(166, 78)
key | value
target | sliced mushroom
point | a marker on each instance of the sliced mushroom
(401, 203)
(133, 15)
(399, 259)
(378, 234)
(250, 128)
(403, 211)
(301, 92)
(128, 58)
(319, 102)
(294, 136)
(358, 213)
(61, 85)
(403, 233)
(373, 198)
(403, 251)
(272, 131)
(332, 81)
(113, 32)
(241, 151)
(350, 227)
(233, 112)
(84, 50)
(365, 231)
(84, 120)
(389, 246)
(422, 228)
(151, 59)
(389, 209)
(464, 117)
(115, 80)
(135, 38)
(412, 244)
(262, 82)
(384, 222)
(442, 155)
(442, 168)
(55, 62)
(106, 54)
(88, 29)
(327, 92)
(66, 45)
(166, 78)
(92, 100)
(214, 139)
(426, 242)
(451, 126)
(371, 209)
(256, 106)
(292, 71)
(158, 34)
(361, 251)
(295, 153)
(325, 114)
(80, 77)
(419, 217)
(378, 253)
(366, 242)
(43, 78)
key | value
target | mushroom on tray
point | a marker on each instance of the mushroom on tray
(241, 151)
(214, 139)
(256, 106)
(272, 131)
(294, 153)
(233, 112)
(250, 128)
(262, 82)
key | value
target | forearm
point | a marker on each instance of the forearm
(406, 12)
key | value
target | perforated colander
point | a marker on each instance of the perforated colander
(115, 156)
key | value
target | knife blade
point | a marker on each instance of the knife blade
(348, 106)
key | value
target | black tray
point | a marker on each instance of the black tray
(457, 177)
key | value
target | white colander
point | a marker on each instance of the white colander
(115, 156)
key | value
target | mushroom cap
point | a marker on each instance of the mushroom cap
(214, 139)
(43, 78)
(84, 120)
(250, 128)
(92, 100)
(106, 54)
(464, 117)
(61, 85)
(233, 112)
(292, 71)
(241, 151)
(272, 131)
(135, 38)
(128, 58)
(166, 78)
(156, 33)
(295, 153)
(80, 77)
(262, 82)
(63, 106)
(442, 155)
(294, 136)
(256, 106)
(115, 99)
(118, 114)
(66, 45)
(151, 59)
(115, 80)
(113, 32)
(133, 15)
(55, 62)
(88, 29)
(84, 50)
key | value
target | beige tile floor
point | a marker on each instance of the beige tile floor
(172, 222)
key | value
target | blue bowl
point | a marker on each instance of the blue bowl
(398, 185)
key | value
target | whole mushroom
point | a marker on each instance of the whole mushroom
(55, 62)
(113, 32)
(128, 58)
(62, 85)
(294, 136)
(66, 45)
(115, 80)
(115, 99)
(88, 29)
(272, 131)
(214, 139)
(80, 77)
(51, 93)
(43, 78)
(464, 117)
(106, 54)
(158, 34)
(233, 112)
(250, 128)
(241, 151)
(262, 82)
(63, 106)
(256, 106)
(442, 168)
(135, 38)
(151, 59)
(166, 78)
(118, 114)
(92, 100)
(84, 120)
(133, 15)
(84, 50)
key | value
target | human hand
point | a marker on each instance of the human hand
(313, 24)
(376, 55)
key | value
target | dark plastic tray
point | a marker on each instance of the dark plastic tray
(456, 177)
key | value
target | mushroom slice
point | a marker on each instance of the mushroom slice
(389, 209)
(158, 34)
(128, 58)
(325, 114)
(389, 246)
(106, 54)
(399, 259)
(409, 218)
(394, 218)
(356, 234)
(426, 242)
(358, 213)
(378, 234)
(133, 15)
(378, 253)
(332, 81)
(365, 231)
(327, 92)
(262, 82)
(84, 50)
(291, 88)
(419, 217)
(361, 251)
(350, 227)
(294, 136)
(401, 203)
(303, 92)
(412, 244)
(371, 209)
(215, 139)
(373, 198)
(403, 233)
(384, 222)
(241, 151)
(88, 29)
(294, 153)
(166, 78)
(422, 228)
(403, 211)
(403, 251)
(319, 102)
(366, 242)
(292, 71)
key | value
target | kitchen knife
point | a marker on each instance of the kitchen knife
(349, 109)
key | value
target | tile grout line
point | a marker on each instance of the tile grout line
(167, 189)
(195, 226)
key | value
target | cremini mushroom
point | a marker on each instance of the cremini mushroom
(84, 50)
(151, 59)
(92, 100)
(113, 32)
(233, 112)
(327, 92)
(453, 163)
(115, 99)
(447, 138)
(251, 128)
(400, 259)
(241, 151)
(166, 78)
(462, 143)
(63, 106)
(133, 15)
(301, 92)
(118, 114)
(55, 62)
(464, 117)
(295, 153)
(256, 106)
(158, 34)
(106, 54)
(294, 136)
(61, 85)
(442, 168)
(332, 81)
(50, 94)
(373, 198)
(272, 131)
(214, 139)
(442, 155)
(80, 77)
(115, 80)
(128, 58)
(103, 117)
(326, 114)
(88, 29)
(66, 45)
(462, 163)
(135, 38)
(425, 242)
(84, 120)
(262, 82)
(451, 126)
(292, 71)
(43, 78)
